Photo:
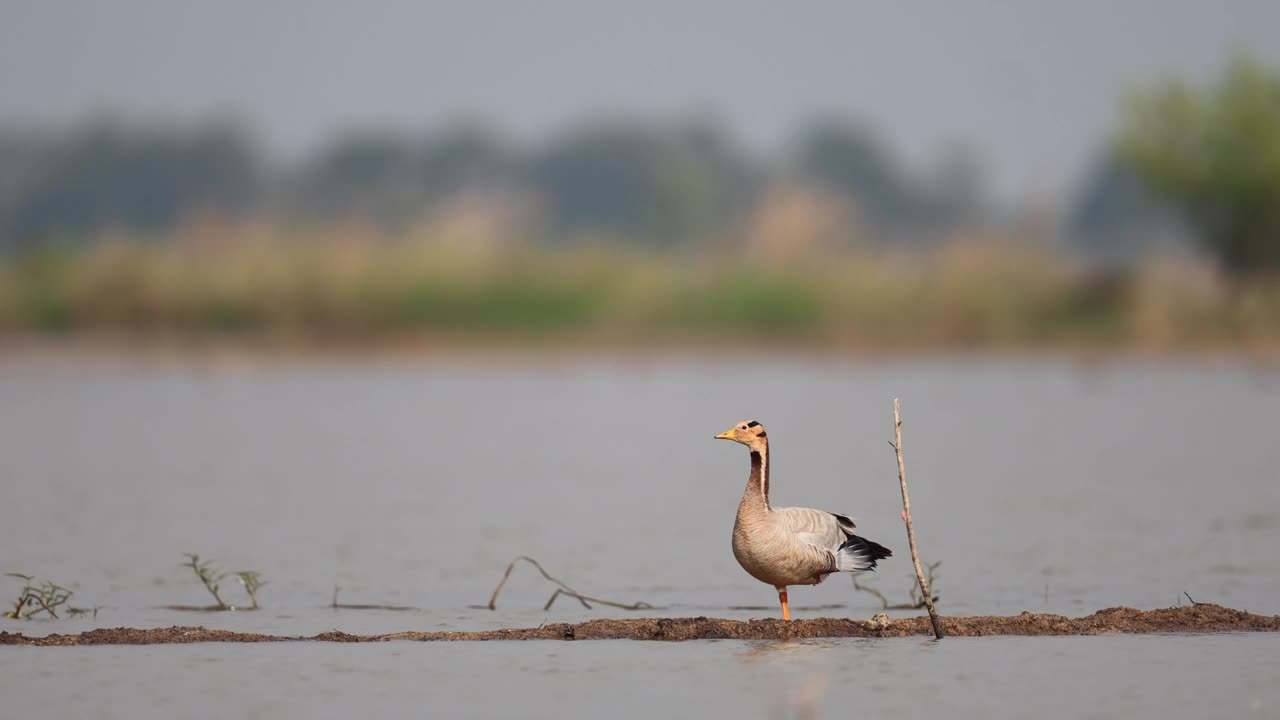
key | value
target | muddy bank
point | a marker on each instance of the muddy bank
(1189, 619)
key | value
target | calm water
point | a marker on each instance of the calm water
(1043, 485)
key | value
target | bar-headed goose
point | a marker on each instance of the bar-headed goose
(790, 546)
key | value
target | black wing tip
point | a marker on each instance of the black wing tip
(878, 551)
(874, 550)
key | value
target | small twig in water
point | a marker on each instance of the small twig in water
(493, 599)
(624, 606)
(906, 518)
(1193, 602)
(564, 589)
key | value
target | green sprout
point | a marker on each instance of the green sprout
(35, 598)
(251, 580)
(209, 575)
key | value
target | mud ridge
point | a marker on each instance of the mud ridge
(1188, 619)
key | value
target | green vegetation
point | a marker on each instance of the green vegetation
(43, 597)
(253, 282)
(1214, 153)
(210, 577)
(633, 231)
(251, 581)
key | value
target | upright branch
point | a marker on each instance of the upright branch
(911, 532)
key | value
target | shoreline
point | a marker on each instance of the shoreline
(1201, 618)
(251, 350)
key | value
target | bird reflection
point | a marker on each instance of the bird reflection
(794, 681)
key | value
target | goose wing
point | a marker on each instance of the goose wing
(817, 527)
(831, 536)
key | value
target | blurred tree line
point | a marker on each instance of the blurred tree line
(1186, 162)
(655, 184)
(61, 185)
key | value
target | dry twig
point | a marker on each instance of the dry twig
(493, 599)
(563, 589)
(584, 598)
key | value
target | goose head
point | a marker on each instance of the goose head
(747, 432)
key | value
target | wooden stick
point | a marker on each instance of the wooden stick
(911, 532)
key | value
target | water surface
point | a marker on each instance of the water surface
(1044, 485)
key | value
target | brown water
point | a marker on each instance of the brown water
(1041, 484)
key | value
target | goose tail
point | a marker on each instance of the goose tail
(858, 554)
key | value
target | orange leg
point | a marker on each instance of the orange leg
(782, 596)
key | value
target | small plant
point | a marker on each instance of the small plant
(251, 580)
(80, 612)
(917, 599)
(210, 577)
(43, 597)
(930, 572)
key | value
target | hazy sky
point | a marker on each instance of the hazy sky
(1032, 85)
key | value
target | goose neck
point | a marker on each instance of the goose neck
(758, 482)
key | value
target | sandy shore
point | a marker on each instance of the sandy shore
(1187, 619)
